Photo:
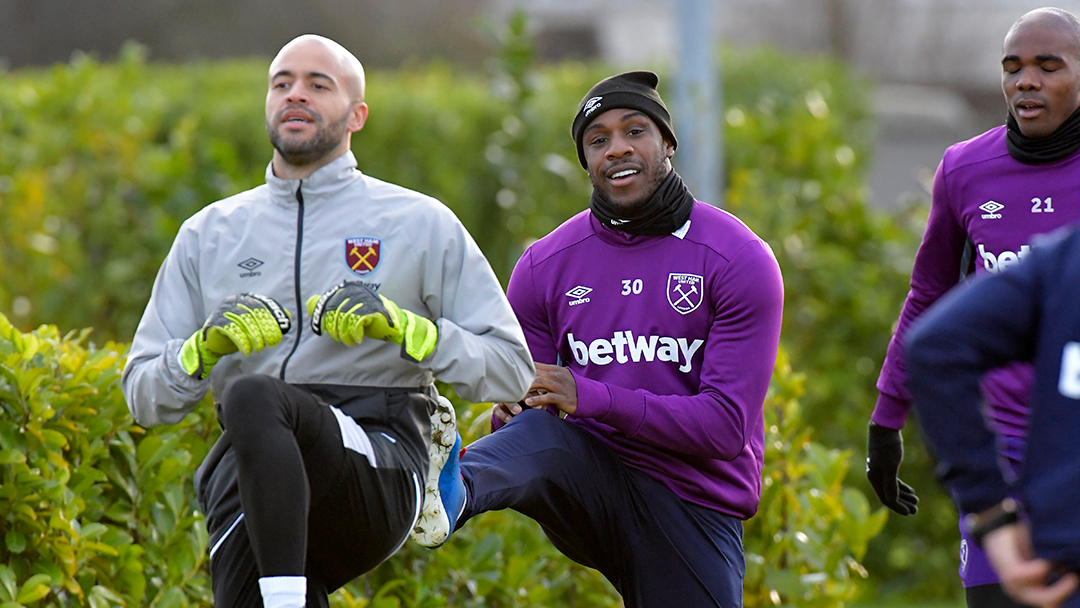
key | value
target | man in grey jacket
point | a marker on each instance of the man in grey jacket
(318, 474)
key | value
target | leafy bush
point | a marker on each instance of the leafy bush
(798, 139)
(95, 510)
(805, 544)
(98, 167)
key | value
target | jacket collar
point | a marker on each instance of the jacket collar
(324, 183)
(625, 239)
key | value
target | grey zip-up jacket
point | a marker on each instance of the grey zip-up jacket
(291, 239)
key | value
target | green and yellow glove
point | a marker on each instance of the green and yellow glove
(246, 322)
(352, 310)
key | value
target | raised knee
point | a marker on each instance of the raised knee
(537, 417)
(246, 401)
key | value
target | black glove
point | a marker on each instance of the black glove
(884, 453)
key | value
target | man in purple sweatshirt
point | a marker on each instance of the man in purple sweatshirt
(992, 195)
(654, 321)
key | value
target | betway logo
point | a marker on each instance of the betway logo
(625, 348)
(1001, 261)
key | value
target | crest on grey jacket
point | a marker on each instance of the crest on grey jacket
(362, 254)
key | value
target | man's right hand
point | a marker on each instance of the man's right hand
(884, 453)
(246, 322)
(1026, 578)
(506, 411)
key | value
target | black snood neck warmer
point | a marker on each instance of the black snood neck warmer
(665, 212)
(1063, 142)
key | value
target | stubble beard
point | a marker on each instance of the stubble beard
(300, 152)
(658, 172)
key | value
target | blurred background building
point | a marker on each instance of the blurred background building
(935, 63)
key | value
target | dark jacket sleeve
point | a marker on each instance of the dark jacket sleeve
(977, 326)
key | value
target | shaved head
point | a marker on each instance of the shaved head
(351, 70)
(314, 103)
(1051, 17)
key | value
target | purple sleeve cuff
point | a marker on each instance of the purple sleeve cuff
(890, 412)
(593, 398)
(613, 405)
(496, 423)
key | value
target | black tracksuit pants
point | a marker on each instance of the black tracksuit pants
(295, 487)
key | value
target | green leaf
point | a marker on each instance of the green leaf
(11, 456)
(6, 328)
(8, 583)
(173, 598)
(52, 570)
(103, 597)
(93, 530)
(30, 346)
(15, 541)
(856, 504)
(54, 439)
(35, 588)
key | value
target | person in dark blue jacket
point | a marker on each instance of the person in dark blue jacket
(1027, 522)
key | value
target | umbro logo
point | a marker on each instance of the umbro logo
(991, 209)
(578, 294)
(250, 265)
(591, 106)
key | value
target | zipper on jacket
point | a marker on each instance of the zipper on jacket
(299, 321)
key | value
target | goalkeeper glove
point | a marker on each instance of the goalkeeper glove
(245, 322)
(352, 310)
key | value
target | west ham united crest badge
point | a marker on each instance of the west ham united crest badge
(684, 291)
(362, 254)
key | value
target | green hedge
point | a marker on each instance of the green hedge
(798, 139)
(97, 511)
(99, 163)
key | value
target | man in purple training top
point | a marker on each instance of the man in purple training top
(654, 320)
(992, 195)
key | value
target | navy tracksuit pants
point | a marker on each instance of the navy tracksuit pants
(656, 549)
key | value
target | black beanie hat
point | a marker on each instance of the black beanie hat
(632, 90)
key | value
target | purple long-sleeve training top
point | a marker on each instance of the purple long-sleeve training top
(983, 194)
(672, 341)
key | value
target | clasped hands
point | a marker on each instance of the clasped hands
(554, 386)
